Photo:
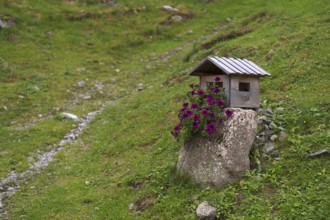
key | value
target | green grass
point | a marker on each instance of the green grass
(127, 155)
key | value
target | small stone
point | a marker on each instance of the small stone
(273, 137)
(269, 133)
(318, 153)
(264, 120)
(21, 97)
(170, 8)
(269, 147)
(111, 3)
(279, 110)
(177, 18)
(277, 158)
(206, 212)
(282, 135)
(272, 125)
(82, 69)
(131, 206)
(117, 70)
(70, 116)
(87, 97)
(140, 87)
(275, 154)
(35, 88)
(81, 83)
(148, 67)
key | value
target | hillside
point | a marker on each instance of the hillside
(130, 59)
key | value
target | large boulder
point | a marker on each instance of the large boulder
(211, 162)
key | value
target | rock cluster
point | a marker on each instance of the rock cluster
(269, 132)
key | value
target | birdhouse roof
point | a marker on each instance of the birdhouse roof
(229, 66)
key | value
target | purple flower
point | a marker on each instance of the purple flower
(211, 114)
(200, 92)
(185, 104)
(216, 90)
(195, 124)
(217, 79)
(205, 112)
(229, 112)
(192, 85)
(220, 120)
(196, 117)
(194, 106)
(182, 109)
(209, 100)
(178, 127)
(219, 102)
(210, 128)
(189, 113)
(185, 115)
(193, 92)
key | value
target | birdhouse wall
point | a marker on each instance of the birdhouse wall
(210, 78)
(244, 91)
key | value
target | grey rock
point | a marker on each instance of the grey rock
(275, 154)
(318, 153)
(206, 212)
(148, 67)
(81, 83)
(35, 88)
(269, 133)
(282, 135)
(272, 125)
(211, 163)
(169, 8)
(140, 87)
(70, 116)
(110, 4)
(264, 120)
(177, 18)
(81, 69)
(269, 147)
(87, 97)
(279, 110)
(6, 23)
(273, 137)
(268, 112)
(131, 206)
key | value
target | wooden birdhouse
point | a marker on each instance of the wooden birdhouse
(239, 78)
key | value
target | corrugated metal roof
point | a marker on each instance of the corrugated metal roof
(231, 66)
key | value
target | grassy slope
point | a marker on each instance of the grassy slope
(128, 155)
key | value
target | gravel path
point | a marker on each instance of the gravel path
(11, 184)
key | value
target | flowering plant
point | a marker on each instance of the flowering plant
(203, 113)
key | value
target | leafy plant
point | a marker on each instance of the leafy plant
(204, 112)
